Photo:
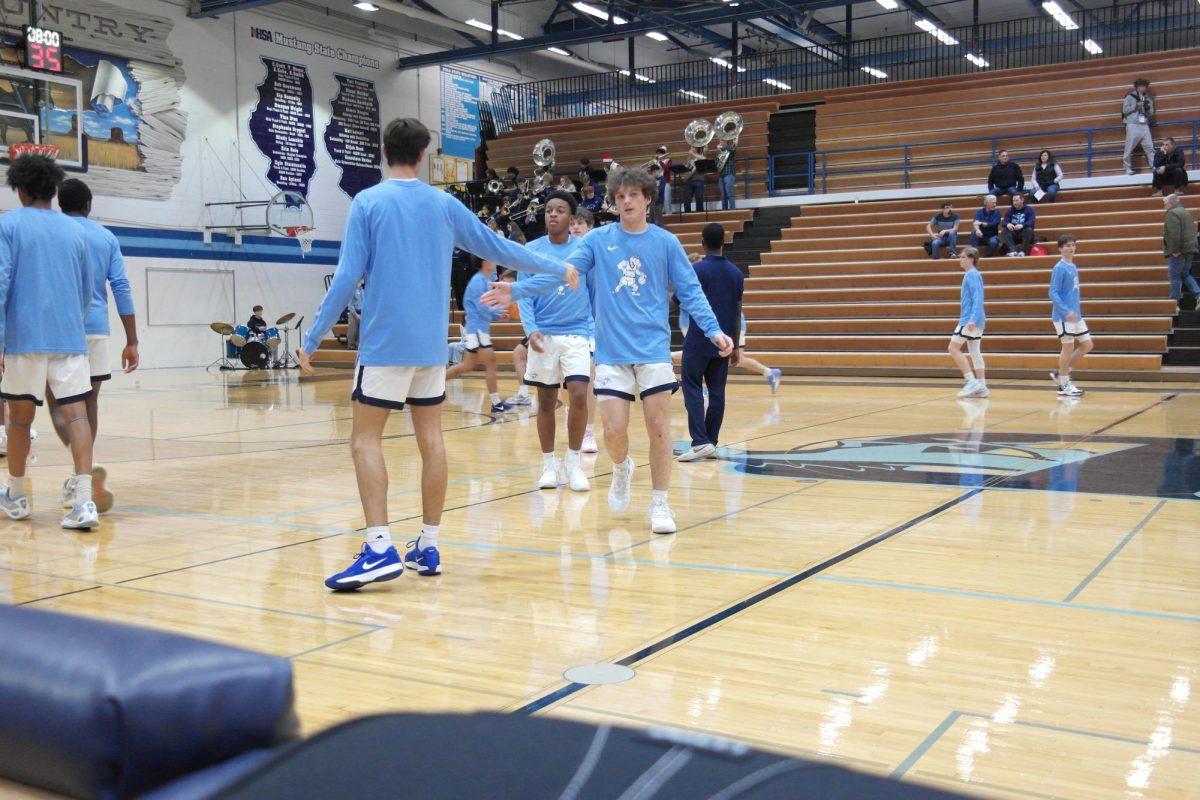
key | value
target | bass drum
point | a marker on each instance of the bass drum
(256, 355)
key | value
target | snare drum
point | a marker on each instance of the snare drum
(239, 336)
(273, 337)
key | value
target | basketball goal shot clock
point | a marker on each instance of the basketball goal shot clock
(43, 49)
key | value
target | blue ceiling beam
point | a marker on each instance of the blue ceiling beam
(706, 16)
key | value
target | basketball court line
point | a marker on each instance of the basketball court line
(695, 628)
(954, 716)
(1166, 399)
(1114, 552)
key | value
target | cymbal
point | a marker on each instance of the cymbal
(223, 328)
(285, 318)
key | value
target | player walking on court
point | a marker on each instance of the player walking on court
(45, 293)
(1067, 316)
(107, 267)
(630, 268)
(400, 235)
(559, 326)
(970, 327)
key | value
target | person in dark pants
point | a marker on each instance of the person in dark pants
(703, 366)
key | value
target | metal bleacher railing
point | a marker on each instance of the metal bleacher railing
(1127, 28)
(815, 178)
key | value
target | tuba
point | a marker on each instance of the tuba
(698, 133)
(728, 126)
(543, 153)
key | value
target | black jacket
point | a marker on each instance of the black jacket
(1006, 175)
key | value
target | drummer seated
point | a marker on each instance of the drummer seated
(257, 324)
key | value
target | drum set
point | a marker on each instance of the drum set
(256, 349)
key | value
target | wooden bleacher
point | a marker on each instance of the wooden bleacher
(1055, 97)
(848, 290)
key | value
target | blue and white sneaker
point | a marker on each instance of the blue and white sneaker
(426, 561)
(14, 507)
(773, 379)
(368, 567)
(501, 407)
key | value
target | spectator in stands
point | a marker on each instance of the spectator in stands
(1180, 247)
(728, 172)
(656, 208)
(1137, 111)
(1006, 177)
(1016, 232)
(1047, 176)
(591, 201)
(664, 160)
(985, 232)
(694, 187)
(943, 232)
(1170, 168)
(354, 315)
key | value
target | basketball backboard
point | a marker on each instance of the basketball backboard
(44, 108)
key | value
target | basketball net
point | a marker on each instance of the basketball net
(15, 151)
(304, 236)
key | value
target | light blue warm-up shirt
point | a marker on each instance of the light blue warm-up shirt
(630, 277)
(108, 269)
(1064, 292)
(478, 316)
(45, 284)
(400, 235)
(971, 302)
(562, 312)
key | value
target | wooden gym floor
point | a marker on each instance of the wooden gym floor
(997, 597)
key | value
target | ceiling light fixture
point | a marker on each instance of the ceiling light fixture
(1061, 17)
(936, 32)
(599, 13)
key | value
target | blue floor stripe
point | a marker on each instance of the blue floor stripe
(907, 587)
(1113, 554)
(923, 748)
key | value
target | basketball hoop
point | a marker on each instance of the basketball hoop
(304, 235)
(15, 151)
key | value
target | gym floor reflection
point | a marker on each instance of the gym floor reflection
(993, 596)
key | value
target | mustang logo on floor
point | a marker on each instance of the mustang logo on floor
(1101, 464)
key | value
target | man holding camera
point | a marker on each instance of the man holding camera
(1137, 112)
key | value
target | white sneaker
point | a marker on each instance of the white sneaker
(520, 400)
(576, 479)
(968, 388)
(981, 390)
(661, 518)
(549, 479)
(618, 492)
(1069, 389)
(589, 444)
(82, 517)
(15, 507)
(697, 452)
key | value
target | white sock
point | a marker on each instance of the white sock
(969, 376)
(1064, 378)
(495, 398)
(523, 391)
(547, 460)
(428, 537)
(657, 495)
(16, 486)
(379, 538)
(572, 457)
(766, 372)
(83, 489)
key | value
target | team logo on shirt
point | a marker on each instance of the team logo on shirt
(631, 276)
